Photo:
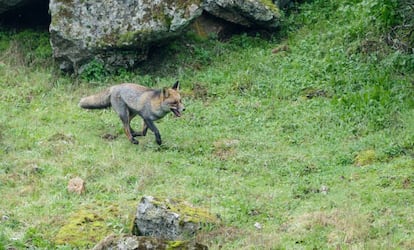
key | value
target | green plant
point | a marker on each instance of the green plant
(94, 71)
(26, 48)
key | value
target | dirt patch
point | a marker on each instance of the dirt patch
(224, 149)
(343, 226)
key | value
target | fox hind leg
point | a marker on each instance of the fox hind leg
(127, 128)
(124, 115)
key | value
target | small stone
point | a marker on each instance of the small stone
(4, 217)
(76, 185)
(258, 226)
(324, 189)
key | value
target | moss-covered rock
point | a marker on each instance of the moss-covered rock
(84, 30)
(133, 242)
(171, 219)
(255, 13)
(119, 33)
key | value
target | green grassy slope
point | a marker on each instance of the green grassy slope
(315, 144)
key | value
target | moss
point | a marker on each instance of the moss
(269, 4)
(128, 37)
(64, 12)
(188, 213)
(86, 227)
(366, 157)
(145, 242)
(176, 244)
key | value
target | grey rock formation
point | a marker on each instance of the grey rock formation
(117, 33)
(132, 242)
(169, 219)
(252, 13)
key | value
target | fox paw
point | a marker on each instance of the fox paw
(133, 141)
(135, 134)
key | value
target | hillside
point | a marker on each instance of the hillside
(303, 139)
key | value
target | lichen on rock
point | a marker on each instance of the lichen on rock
(84, 30)
(120, 33)
(171, 219)
(252, 13)
(133, 242)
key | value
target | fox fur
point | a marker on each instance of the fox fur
(129, 100)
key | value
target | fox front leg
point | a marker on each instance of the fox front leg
(154, 129)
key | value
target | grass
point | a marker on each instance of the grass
(315, 144)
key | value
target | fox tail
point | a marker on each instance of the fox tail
(97, 101)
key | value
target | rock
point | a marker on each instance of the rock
(252, 13)
(120, 33)
(258, 226)
(76, 185)
(116, 33)
(133, 242)
(208, 25)
(324, 189)
(169, 218)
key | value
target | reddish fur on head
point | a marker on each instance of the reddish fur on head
(172, 99)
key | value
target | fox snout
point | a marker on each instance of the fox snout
(177, 110)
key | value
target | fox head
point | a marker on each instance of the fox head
(172, 100)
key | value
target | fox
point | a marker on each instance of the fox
(129, 100)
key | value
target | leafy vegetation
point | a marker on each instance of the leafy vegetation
(311, 146)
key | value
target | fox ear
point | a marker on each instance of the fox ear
(165, 92)
(176, 86)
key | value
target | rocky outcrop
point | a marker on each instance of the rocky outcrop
(120, 33)
(132, 242)
(169, 219)
(253, 13)
(117, 33)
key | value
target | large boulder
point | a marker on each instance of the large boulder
(117, 33)
(251, 13)
(132, 242)
(120, 33)
(170, 219)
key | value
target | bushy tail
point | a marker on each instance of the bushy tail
(97, 101)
